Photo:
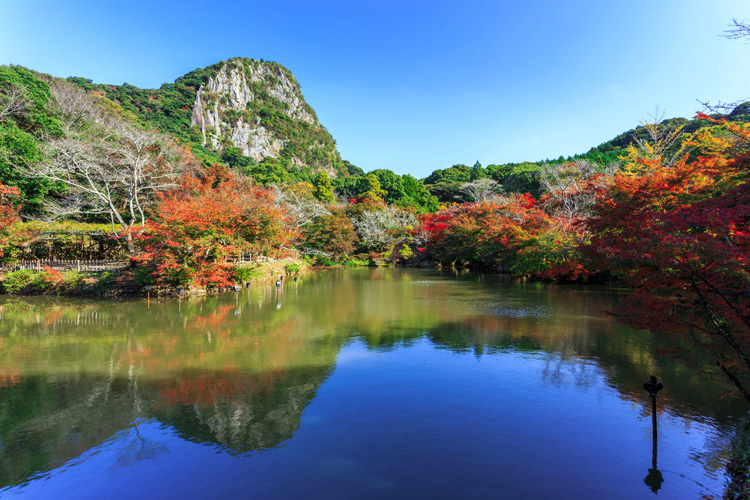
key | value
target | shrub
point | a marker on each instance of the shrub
(15, 281)
(72, 280)
(243, 274)
(292, 267)
(49, 277)
(406, 252)
(143, 276)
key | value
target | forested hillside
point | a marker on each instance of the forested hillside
(251, 116)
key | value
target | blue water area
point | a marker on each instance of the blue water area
(495, 399)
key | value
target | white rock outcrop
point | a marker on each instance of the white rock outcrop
(232, 89)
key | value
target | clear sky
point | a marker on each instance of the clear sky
(414, 86)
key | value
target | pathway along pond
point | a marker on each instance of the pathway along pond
(351, 384)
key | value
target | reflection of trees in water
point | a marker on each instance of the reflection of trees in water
(120, 372)
(238, 372)
(560, 371)
(45, 421)
(714, 453)
(621, 362)
(582, 348)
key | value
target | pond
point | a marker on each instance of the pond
(352, 384)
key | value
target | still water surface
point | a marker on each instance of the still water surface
(351, 385)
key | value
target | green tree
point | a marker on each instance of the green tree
(371, 190)
(392, 184)
(445, 184)
(269, 171)
(477, 172)
(323, 189)
(237, 160)
(418, 196)
(524, 178)
(25, 120)
(352, 170)
(457, 173)
(19, 150)
(35, 117)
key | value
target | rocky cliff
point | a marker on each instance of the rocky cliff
(258, 107)
(255, 106)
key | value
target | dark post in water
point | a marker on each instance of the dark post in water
(654, 478)
(652, 386)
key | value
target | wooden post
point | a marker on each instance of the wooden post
(78, 264)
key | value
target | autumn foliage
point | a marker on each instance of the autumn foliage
(512, 235)
(9, 210)
(673, 227)
(680, 237)
(671, 220)
(199, 226)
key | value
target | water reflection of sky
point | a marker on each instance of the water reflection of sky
(416, 421)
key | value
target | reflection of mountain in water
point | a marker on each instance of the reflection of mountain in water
(66, 389)
(236, 411)
(239, 370)
(45, 422)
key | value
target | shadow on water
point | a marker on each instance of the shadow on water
(238, 371)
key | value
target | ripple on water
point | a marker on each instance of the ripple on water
(516, 310)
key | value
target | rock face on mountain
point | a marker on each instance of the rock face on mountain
(254, 107)
(258, 107)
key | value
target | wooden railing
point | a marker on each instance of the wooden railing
(67, 265)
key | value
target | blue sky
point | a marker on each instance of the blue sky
(417, 86)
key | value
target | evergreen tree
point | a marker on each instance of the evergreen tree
(323, 188)
(477, 172)
(371, 189)
(269, 171)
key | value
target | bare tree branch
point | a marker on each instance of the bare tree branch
(380, 228)
(301, 207)
(73, 105)
(738, 30)
(569, 193)
(116, 165)
(481, 190)
(13, 101)
(662, 140)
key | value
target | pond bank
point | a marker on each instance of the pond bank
(129, 282)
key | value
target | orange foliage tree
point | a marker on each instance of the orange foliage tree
(515, 236)
(10, 207)
(199, 226)
(680, 237)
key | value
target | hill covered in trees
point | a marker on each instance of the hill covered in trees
(251, 116)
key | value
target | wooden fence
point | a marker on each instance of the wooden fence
(67, 265)
(246, 259)
(108, 265)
